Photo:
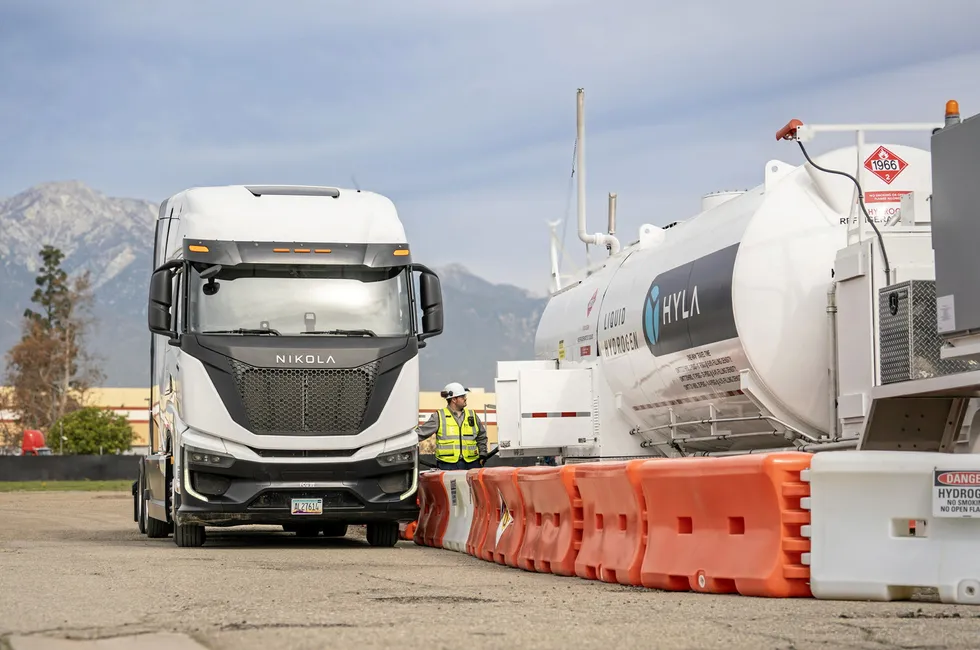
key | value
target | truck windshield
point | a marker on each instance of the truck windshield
(300, 299)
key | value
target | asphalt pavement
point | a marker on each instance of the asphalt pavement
(76, 575)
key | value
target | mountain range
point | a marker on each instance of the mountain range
(113, 238)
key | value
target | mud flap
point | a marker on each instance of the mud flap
(157, 470)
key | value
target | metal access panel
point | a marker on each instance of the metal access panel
(508, 402)
(956, 225)
(909, 341)
(556, 408)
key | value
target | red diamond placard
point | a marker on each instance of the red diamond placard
(885, 165)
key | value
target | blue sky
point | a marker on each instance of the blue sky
(463, 113)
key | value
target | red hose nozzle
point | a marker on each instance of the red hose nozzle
(788, 132)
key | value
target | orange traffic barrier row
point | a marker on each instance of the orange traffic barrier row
(433, 510)
(482, 517)
(726, 525)
(407, 531)
(614, 523)
(506, 536)
(552, 519)
(720, 525)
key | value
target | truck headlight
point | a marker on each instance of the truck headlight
(396, 457)
(207, 458)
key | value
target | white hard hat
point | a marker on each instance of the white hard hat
(454, 389)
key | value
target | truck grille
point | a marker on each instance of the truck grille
(305, 401)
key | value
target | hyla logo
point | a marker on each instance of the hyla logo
(690, 305)
(651, 315)
(588, 311)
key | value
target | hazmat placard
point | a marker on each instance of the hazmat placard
(956, 493)
(885, 164)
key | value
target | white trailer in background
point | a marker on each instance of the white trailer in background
(284, 364)
(781, 317)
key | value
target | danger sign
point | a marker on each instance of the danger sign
(956, 493)
(885, 165)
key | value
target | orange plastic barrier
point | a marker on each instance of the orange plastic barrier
(425, 502)
(614, 526)
(434, 510)
(481, 516)
(407, 531)
(552, 519)
(726, 525)
(504, 540)
(494, 509)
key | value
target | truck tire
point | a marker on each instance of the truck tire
(138, 505)
(189, 535)
(382, 533)
(335, 529)
(155, 529)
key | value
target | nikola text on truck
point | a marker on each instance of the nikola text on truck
(461, 437)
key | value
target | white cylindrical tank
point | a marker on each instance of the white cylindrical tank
(714, 199)
(675, 321)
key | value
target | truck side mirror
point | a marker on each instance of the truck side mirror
(158, 314)
(430, 289)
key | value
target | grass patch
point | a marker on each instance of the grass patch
(65, 486)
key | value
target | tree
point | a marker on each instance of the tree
(49, 369)
(93, 430)
(10, 431)
(51, 292)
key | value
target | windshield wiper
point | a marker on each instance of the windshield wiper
(344, 332)
(243, 330)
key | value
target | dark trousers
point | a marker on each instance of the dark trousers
(459, 464)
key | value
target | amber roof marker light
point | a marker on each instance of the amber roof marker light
(952, 112)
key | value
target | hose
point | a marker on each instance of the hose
(881, 241)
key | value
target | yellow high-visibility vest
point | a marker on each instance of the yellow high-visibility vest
(451, 437)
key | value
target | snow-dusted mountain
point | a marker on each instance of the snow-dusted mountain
(113, 238)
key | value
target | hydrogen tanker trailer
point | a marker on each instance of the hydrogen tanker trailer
(752, 325)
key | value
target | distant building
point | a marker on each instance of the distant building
(134, 405)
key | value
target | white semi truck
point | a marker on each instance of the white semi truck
(284, 356)
(788, 316)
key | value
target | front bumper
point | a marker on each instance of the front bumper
(254, 492)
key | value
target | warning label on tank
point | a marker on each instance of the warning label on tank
(956, 493)
(885, 164)
(706, 371)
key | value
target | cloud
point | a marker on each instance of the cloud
(464, 113)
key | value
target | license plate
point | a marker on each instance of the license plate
(307, 507)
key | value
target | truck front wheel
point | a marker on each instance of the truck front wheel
(382, 533)
(189, 535)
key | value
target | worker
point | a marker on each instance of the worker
(461, 437)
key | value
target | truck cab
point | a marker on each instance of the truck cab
(32, 444)
(284, 355)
